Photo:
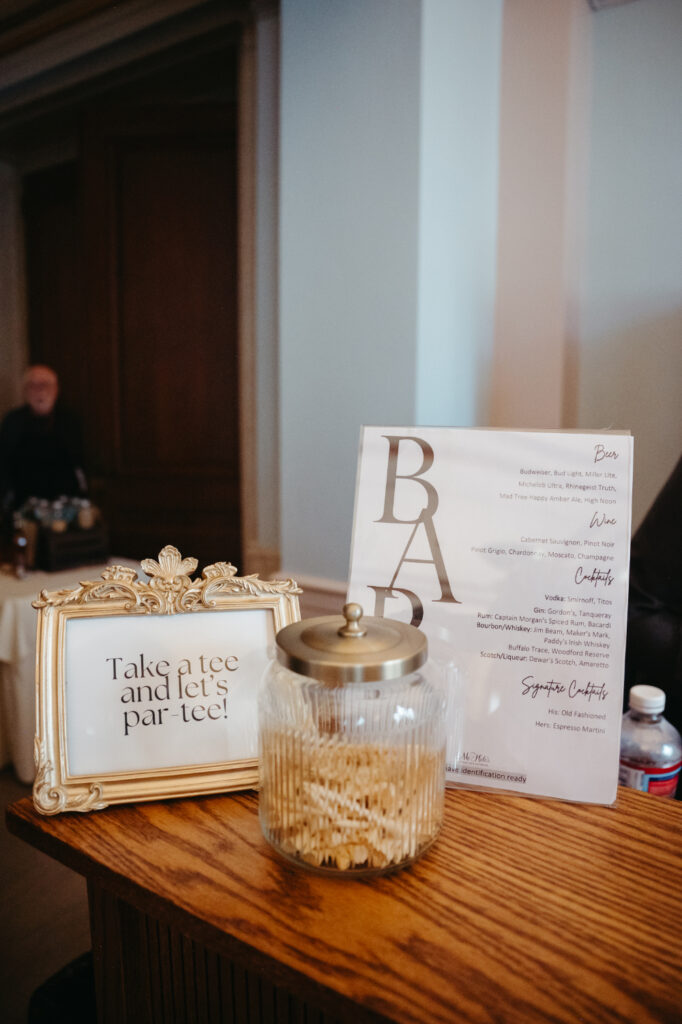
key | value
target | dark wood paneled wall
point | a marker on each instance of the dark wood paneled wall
(51, 207)
(132, 268)
(160, 209)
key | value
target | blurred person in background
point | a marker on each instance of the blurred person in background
(40, 446)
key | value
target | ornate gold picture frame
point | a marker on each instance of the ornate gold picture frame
(147, 690)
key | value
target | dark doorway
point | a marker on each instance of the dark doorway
(131, 255)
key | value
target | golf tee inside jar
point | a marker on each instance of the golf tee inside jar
(352, 745)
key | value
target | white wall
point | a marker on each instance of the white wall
(387, 195)
(460, 87)
(630, 358)
(421, 141)
(542, 153)
(348, 252)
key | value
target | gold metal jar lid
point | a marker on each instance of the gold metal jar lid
(348, 648)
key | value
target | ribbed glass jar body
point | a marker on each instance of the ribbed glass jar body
(352, 776)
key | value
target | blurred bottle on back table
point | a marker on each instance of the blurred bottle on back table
(19, 547)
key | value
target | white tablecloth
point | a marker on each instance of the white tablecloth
(18, 622)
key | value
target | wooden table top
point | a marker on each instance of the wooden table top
(524, 910)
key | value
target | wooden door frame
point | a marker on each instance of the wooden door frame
(255, 558)
(42, 81)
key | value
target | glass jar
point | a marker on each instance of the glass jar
(352, 746)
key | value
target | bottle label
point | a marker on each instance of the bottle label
(649, 778)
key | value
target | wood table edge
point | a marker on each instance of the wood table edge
(297, 983)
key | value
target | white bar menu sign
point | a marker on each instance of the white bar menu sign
(510, 549)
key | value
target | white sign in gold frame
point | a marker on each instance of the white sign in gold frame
(148, 690)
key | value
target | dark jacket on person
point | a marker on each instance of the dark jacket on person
(40, 456)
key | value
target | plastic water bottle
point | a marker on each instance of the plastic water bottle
(650, 747)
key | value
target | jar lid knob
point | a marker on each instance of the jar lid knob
(352, 614)
(350, 648)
